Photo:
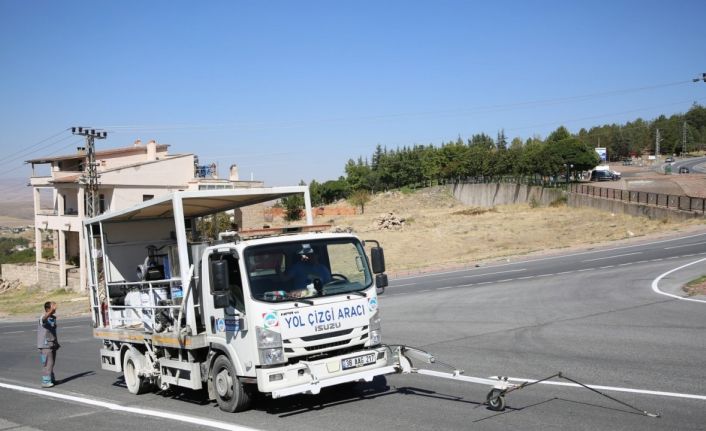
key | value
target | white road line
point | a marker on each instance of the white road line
(400, 285)
(493, 273)
(655, 283)
(140, 411)
(685, 245)
(34, 329)
(614, 388)
(611, 257)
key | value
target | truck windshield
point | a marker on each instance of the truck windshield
(306, 269)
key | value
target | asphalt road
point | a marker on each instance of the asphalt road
(696, 164)
(594, 315)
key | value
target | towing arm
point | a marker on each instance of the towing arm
(495, 400)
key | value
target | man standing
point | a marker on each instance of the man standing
(47, 343)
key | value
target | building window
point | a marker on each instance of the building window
(147, 197)
(101, 204)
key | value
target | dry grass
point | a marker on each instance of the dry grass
(696, 287)
(441, 232)
(28, 301)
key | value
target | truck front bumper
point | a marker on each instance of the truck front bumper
(308, 377)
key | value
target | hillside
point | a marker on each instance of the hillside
(439, 232)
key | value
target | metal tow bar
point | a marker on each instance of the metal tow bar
(495, 399)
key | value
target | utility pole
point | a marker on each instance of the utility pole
(683, 139)
(90, 177)
(657, 141)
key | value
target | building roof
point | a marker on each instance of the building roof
(123, 151)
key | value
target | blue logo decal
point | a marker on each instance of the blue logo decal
(220, 325)
(373, 304)
(270, 319)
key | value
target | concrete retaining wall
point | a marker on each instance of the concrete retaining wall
(490, 195)
(631, 208)
(46, 276)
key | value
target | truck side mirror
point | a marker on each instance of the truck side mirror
(219, 276)
(220, 300)
(380, 283)
(378, 260)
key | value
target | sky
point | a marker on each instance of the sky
(291, 90)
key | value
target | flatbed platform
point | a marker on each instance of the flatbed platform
(165, 339)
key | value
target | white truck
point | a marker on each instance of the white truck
(174, 309)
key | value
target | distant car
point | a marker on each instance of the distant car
(670, 160)
(683, 170)
(604, 176)
(616, 175)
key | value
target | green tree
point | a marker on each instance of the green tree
(359, 198)
(359, 174)
(334, 190)
(293, 207)
(210, 226)
(315, 193)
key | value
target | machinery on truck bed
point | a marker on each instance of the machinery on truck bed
(279, 311)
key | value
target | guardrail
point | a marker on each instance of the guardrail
(675, 202)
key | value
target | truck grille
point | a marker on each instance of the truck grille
(324, 344)
(329, 335)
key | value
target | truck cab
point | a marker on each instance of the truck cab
(287, 309)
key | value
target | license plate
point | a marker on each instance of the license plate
(358, 361)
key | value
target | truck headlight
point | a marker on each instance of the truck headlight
(375, 329)
(271, 356)
(269, 345)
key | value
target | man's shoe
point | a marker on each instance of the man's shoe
(47, 385)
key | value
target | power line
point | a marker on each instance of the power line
(461, 111)
(26, 154)
(42, 141)
(23, 182)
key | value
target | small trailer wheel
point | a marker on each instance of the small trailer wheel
(496, 400)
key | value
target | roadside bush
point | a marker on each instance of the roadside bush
(558, 202)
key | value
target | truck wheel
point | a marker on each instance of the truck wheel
(132, 363)
(230, 393)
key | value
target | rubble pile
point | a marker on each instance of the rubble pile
(388, 221)
(8, 285)
(341, 229)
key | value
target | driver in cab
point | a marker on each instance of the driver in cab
(304, 271)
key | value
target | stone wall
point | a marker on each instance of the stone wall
(25, 273)
(46, 276)
(490, 195)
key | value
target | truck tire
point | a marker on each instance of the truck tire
(132, 363)
(230, 393)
